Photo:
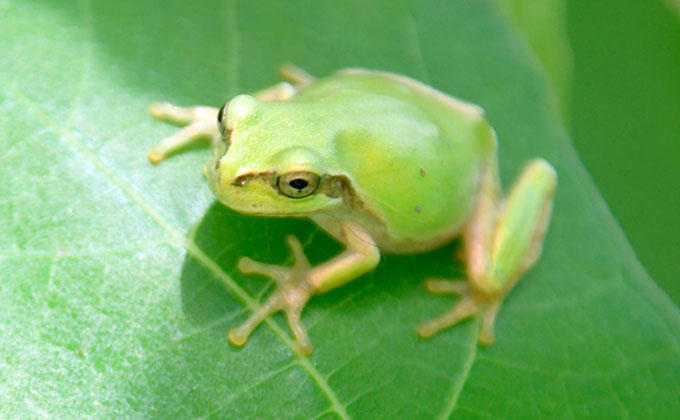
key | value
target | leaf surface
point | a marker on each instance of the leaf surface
(118, 281)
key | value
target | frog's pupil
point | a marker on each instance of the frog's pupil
(298, 184)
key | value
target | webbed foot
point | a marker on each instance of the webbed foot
(292, 293)
(468, 305)
(499, 248)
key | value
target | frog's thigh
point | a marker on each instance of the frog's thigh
(499, 252)
(517, 241)
(518, 235)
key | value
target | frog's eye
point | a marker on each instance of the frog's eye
(220, 117)
(298, 184)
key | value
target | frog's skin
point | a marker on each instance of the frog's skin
(381, 162)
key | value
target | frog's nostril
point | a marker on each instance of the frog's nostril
(242, 180)
(245, 178)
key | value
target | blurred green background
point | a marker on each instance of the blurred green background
(624, 119)
(615, 69)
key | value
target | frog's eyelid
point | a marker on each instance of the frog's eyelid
(220, 114)
(220, 117)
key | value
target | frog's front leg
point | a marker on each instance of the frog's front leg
(295, 285)
(502, 242)
(201, 121)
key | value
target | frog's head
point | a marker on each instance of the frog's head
(265, 165)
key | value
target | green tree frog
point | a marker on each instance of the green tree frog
(384, 164)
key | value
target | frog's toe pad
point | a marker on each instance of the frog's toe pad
(161, 110)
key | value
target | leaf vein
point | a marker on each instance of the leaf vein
(68, 136)
(461, 379)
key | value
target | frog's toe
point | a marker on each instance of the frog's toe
(239, 335)
(197, 131)
(469, 304)
(302, 341)
(301, 261)
(447, 286)
(290, 297)
(291, 294)
(155, 156)
(276, 272)
(161, 110)
(486, 335)
(182, 115)
(463, 309)
(279, 273)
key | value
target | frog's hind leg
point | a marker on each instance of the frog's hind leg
(501, 244)
(200, 124)
(279, 92)
(297, 76)
(296, 79)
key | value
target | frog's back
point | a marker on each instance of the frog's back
(414, 153)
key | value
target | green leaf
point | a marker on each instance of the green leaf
(674, 5)
(543, 25)
(117, 278)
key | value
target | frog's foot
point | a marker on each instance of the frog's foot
(296, 79)
(291, 295)
(296, 75)
(200, 124)
(469, 304)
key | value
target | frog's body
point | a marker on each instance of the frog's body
(381, 162)
(436, 151)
